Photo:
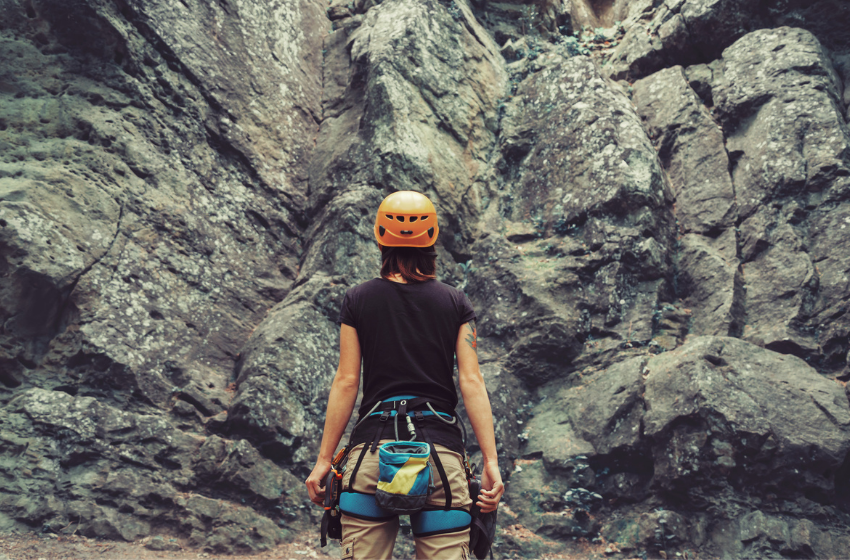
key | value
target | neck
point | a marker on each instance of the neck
(396, 278)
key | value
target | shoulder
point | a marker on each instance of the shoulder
(445, 288)
(364, 287)
(456, 295)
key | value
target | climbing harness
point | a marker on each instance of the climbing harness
(405, 478)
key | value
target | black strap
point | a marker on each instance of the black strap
(357, 465)
(411, 404)
(374, 444)
(379, 433)
(420, 419)
(325, 522)
(402, 411)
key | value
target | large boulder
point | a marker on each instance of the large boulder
(682, 32)
(685, 32)
(684, 431)
(777, 96)
(764, 421)
(691, 146)
(119, 475)
(715, 410)
(578, 224)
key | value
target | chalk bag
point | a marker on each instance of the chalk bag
(404, 477)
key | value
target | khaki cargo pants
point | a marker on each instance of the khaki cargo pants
(374, 540)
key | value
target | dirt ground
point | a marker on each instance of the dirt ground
(55, 547)
(33, 546)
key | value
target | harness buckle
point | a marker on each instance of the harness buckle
(385, 415)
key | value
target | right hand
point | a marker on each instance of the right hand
(491, 488)
(316, 482)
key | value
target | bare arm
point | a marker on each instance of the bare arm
(340, 405)
(480, 414)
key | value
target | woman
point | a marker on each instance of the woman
(407, 327)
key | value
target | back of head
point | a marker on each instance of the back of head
(406, 219)
(414, 264)
(406, 229)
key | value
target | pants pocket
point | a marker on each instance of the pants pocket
(348, 548)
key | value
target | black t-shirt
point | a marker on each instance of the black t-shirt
(407, 336)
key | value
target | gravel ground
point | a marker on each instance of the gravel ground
(32, 546)
(56, 547)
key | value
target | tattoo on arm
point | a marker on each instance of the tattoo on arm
(472, 336)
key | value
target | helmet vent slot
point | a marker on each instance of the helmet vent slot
(413, 219)
(407, 232)
(400, 218)
(390, 216)
(424, 217)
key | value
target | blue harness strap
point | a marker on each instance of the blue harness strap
(436, 521)
(425, 523)
(364, 506)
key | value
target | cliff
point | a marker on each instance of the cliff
(647, 202)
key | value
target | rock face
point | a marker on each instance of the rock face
(646, 201)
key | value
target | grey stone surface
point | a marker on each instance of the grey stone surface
(716, 412)
(187, 190)
(785, 189)
(774, 410)
(691, 148)
(578, 222)
(685, 32)
(711, 283)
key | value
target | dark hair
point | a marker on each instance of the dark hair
(414, 264)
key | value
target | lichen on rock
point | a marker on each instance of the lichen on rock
(646, 202)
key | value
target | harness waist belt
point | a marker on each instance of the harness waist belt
(411, 413)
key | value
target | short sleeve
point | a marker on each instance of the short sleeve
(467, 313)
(346, 313)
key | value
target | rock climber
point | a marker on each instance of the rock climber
(407, 328)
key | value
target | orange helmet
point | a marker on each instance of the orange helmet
(406, 219)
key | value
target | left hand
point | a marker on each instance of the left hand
(492, 488)
(316, 481)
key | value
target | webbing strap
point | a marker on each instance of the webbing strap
(357, 465)
(425, 412)
(374, 444)
(379, 433)
(394, 403)
(363, 506)
(420, 419)
(436, 521)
